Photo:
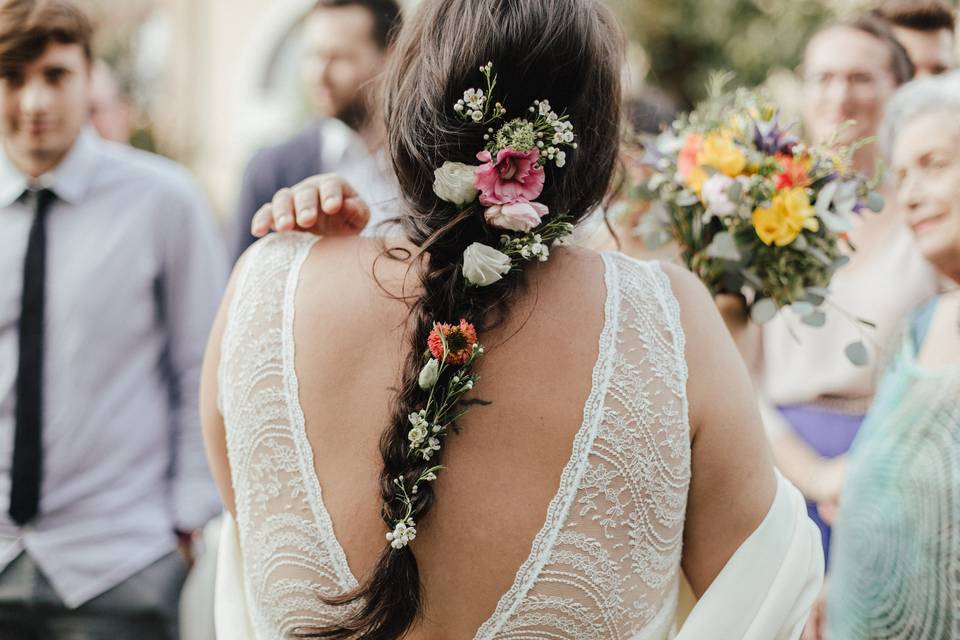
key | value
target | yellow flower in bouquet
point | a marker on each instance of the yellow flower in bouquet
(788, 215)
(720, 152)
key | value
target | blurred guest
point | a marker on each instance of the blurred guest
(111, 112)
(346, 45)
(897, 541)
(103, 320)
(927, 30)
(650, 111)
(816, 397)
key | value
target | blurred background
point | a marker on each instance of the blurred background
(207, 82)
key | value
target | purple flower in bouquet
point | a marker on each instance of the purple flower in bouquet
(769, 138)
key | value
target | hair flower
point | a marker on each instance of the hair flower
(515, 176)
(516, 216)
(403, 533)
(429, 374)
(484, 265)
(456, 340)
(454, 182)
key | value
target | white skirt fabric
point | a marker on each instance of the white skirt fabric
(766, 589)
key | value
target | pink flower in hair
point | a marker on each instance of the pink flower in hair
(516, 216)
(514, 177)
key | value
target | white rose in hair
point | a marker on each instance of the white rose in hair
(483, 265)
(453, 182)
(516, 216)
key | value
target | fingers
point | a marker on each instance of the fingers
(299, 207)
(306, 202)
(356, 213)
(282, 206)
(262, 221)
(331, 194)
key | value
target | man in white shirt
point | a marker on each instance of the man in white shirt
(346, 44)
(112, 275)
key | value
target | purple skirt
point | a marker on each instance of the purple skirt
(830, 434)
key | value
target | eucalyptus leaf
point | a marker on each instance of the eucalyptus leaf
(857, 354)
(821, 256)
(875, 202)
(841, 261)
(816, 319)
(813, 298)
(801, 308)
(763, 310)
(724, 247)
(752, 278)
(800, 244)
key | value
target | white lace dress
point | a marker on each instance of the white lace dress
(604, 566)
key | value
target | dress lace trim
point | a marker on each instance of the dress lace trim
(298, 423)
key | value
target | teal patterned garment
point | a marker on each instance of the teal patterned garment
(895, 568)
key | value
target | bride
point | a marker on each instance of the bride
(475, 431)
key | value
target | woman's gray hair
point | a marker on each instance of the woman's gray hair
(926, 95)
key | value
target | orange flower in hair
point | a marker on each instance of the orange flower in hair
(460, 339)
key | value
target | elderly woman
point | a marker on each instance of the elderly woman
(895, 567)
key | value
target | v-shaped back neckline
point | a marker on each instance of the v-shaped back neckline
(559, 505)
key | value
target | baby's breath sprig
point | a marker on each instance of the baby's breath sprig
(475, 104)
(535, 245)
(552, 131)
(451, 349)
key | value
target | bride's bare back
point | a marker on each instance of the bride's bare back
(505, 463)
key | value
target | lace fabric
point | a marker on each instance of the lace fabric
(606, 563)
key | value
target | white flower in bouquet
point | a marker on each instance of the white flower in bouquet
(716, 195)
(483, 265)
(454, 182)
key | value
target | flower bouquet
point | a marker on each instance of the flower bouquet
(753, 210)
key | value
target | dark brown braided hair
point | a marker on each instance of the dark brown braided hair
(566, 51)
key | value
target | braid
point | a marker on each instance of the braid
(570, 54)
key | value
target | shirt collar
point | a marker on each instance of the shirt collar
(337, 140)
(70, 179)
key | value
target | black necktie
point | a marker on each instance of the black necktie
(28, 444)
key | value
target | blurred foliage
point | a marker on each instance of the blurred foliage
(685, 40)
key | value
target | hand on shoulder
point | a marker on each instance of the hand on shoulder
(325, 204)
